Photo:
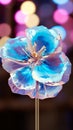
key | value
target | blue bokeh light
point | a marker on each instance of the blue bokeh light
(60, 1)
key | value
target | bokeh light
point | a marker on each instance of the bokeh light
(20, 33)
(20, 30)
(28, 7)
(45, 10)
(3, 40)
(60, 1)
(60, 30)
(5, 29)
(71, 36)
(20, 17)
(60, 16)
(32, 20)
(5, 2)
(67, 6)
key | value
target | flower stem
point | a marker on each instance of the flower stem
(37, 109)
(36, 114)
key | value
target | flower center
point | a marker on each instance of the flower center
(34, 54)
(32, 49)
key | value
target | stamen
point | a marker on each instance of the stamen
(41, 50)
(35, 54)
(58, 50)
(34, 47)
(29, 46)
(26, 52)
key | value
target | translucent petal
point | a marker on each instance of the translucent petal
(22, 78)
(48, 91)
(15, 48)
(53, 69)
(10, 66)
(17, 90)
(45, 91)
(42, 36)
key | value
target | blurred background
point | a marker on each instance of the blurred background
(16, 111)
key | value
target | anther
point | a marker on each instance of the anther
(41, 50)
(35, 54)
(59, 37)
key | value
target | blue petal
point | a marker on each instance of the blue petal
(45, 91)
(14, 89)
(15, 49)
(43, 36)
(17, 90)
(53, 69)
(22, 78)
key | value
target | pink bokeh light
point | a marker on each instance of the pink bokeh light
(69, 24)
(5, 2)
(60, 16)
(20, 30)
(20, 33)
(71, 36)
(5, 29)
(20, 17)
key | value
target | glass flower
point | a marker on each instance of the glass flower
(36, 63)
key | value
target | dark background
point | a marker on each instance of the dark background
(17, 112)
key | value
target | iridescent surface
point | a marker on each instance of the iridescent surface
(15, 49)
(43, 37)
(37, 66)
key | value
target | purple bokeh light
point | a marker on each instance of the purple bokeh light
(67, 6)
